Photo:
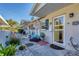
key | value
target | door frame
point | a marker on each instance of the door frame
(54, 42)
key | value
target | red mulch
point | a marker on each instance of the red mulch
(42, 43)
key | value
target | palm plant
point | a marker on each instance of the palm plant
(7, 51)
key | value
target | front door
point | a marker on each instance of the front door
(58, 29)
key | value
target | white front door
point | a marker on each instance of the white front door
(58, 32)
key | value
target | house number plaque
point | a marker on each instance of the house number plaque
(75, 23)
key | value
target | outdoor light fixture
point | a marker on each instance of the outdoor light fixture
(71, 15)
(50, 22)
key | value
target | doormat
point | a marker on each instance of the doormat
(29, 44)
(56, 47)
(42, 43)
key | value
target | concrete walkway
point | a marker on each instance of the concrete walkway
(45, 50)
(37, 50)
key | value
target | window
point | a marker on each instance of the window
(31, 27)
(45, 24)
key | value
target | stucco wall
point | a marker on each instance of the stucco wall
(70, 30)
(49, 32)
(3, 38)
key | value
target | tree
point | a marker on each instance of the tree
(12, 22)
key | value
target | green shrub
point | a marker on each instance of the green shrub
(20, 30)
(14, 41)
(6, 36)
(22, 47)
(42, 34)
(7, 51)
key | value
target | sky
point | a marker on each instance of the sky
(16, 11)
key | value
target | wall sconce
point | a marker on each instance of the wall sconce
(50, 23)
(71, 15)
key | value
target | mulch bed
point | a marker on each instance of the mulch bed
(42, 43)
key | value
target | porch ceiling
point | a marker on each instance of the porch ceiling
(48, 8)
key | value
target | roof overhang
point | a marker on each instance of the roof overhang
(41, 10)
(5, 24)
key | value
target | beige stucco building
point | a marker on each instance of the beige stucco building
(62, 22)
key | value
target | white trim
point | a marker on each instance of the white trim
(33, 8)
(42, 5)
(4, 26)
(59, 44)
(4, 20)
(33, 11)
